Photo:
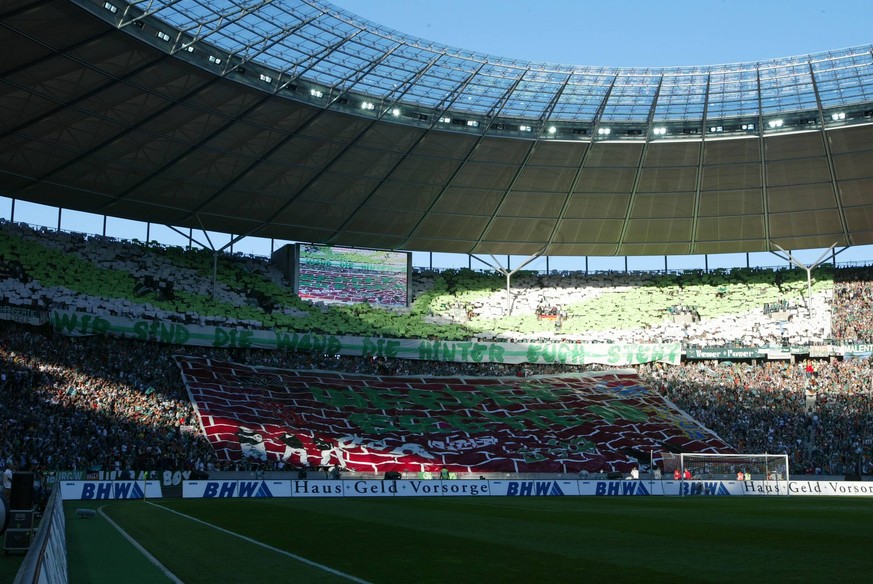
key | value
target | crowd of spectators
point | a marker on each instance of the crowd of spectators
(110, 404)
(819, 413)
(95, 403)
(48, 269)
(853, 304)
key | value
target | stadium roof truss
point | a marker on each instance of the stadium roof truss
(294, 119)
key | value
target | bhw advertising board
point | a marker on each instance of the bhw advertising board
(226, 489)
(110, 490)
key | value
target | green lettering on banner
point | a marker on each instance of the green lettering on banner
(379, 348)
(549, 352)
(305, 343)
(533, 353)
(643, 354)
(77, 324)
(234, 338)
(65, 322)
(426, 350)
(173, 333)
(100, 326)
(141, 330)
(80, 324)
(286, 341)
(328, 345)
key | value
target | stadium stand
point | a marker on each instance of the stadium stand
(116, 397)
(88, 273)
(512, 159)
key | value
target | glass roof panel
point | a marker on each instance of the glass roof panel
(844, 78)
(334, 47)
(733, 94)
(682, 97)
(787, 88)
(583, 95)
(631, 98)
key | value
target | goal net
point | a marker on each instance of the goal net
(758, 467)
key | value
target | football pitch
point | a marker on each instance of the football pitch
(470, 539)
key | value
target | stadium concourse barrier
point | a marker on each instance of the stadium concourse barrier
(310, 488)
(46, 560)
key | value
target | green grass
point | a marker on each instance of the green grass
(556, 539)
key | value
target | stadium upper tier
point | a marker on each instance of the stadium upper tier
(294, 119)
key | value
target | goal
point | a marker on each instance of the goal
(759, 467)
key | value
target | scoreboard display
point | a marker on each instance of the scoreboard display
(351, 275)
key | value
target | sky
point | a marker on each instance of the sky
(629, 33)
(613, 33)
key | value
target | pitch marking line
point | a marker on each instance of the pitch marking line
(288, 554)
(173, 578)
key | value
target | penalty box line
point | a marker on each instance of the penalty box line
(286, 553)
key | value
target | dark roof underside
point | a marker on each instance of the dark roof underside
(95, 120)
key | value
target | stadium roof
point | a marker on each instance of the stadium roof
(294, 119)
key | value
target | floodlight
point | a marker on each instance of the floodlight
(368, 105)
(604, 131)
(775, 123)
(552, 129)
(838, 116)
(659, 131)
(316, 93)
(395, 112)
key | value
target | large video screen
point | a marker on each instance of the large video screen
(351, 276)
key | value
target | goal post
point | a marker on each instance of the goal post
(759, 467)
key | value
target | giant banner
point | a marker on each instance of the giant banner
(82, 323)
(560, 423)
